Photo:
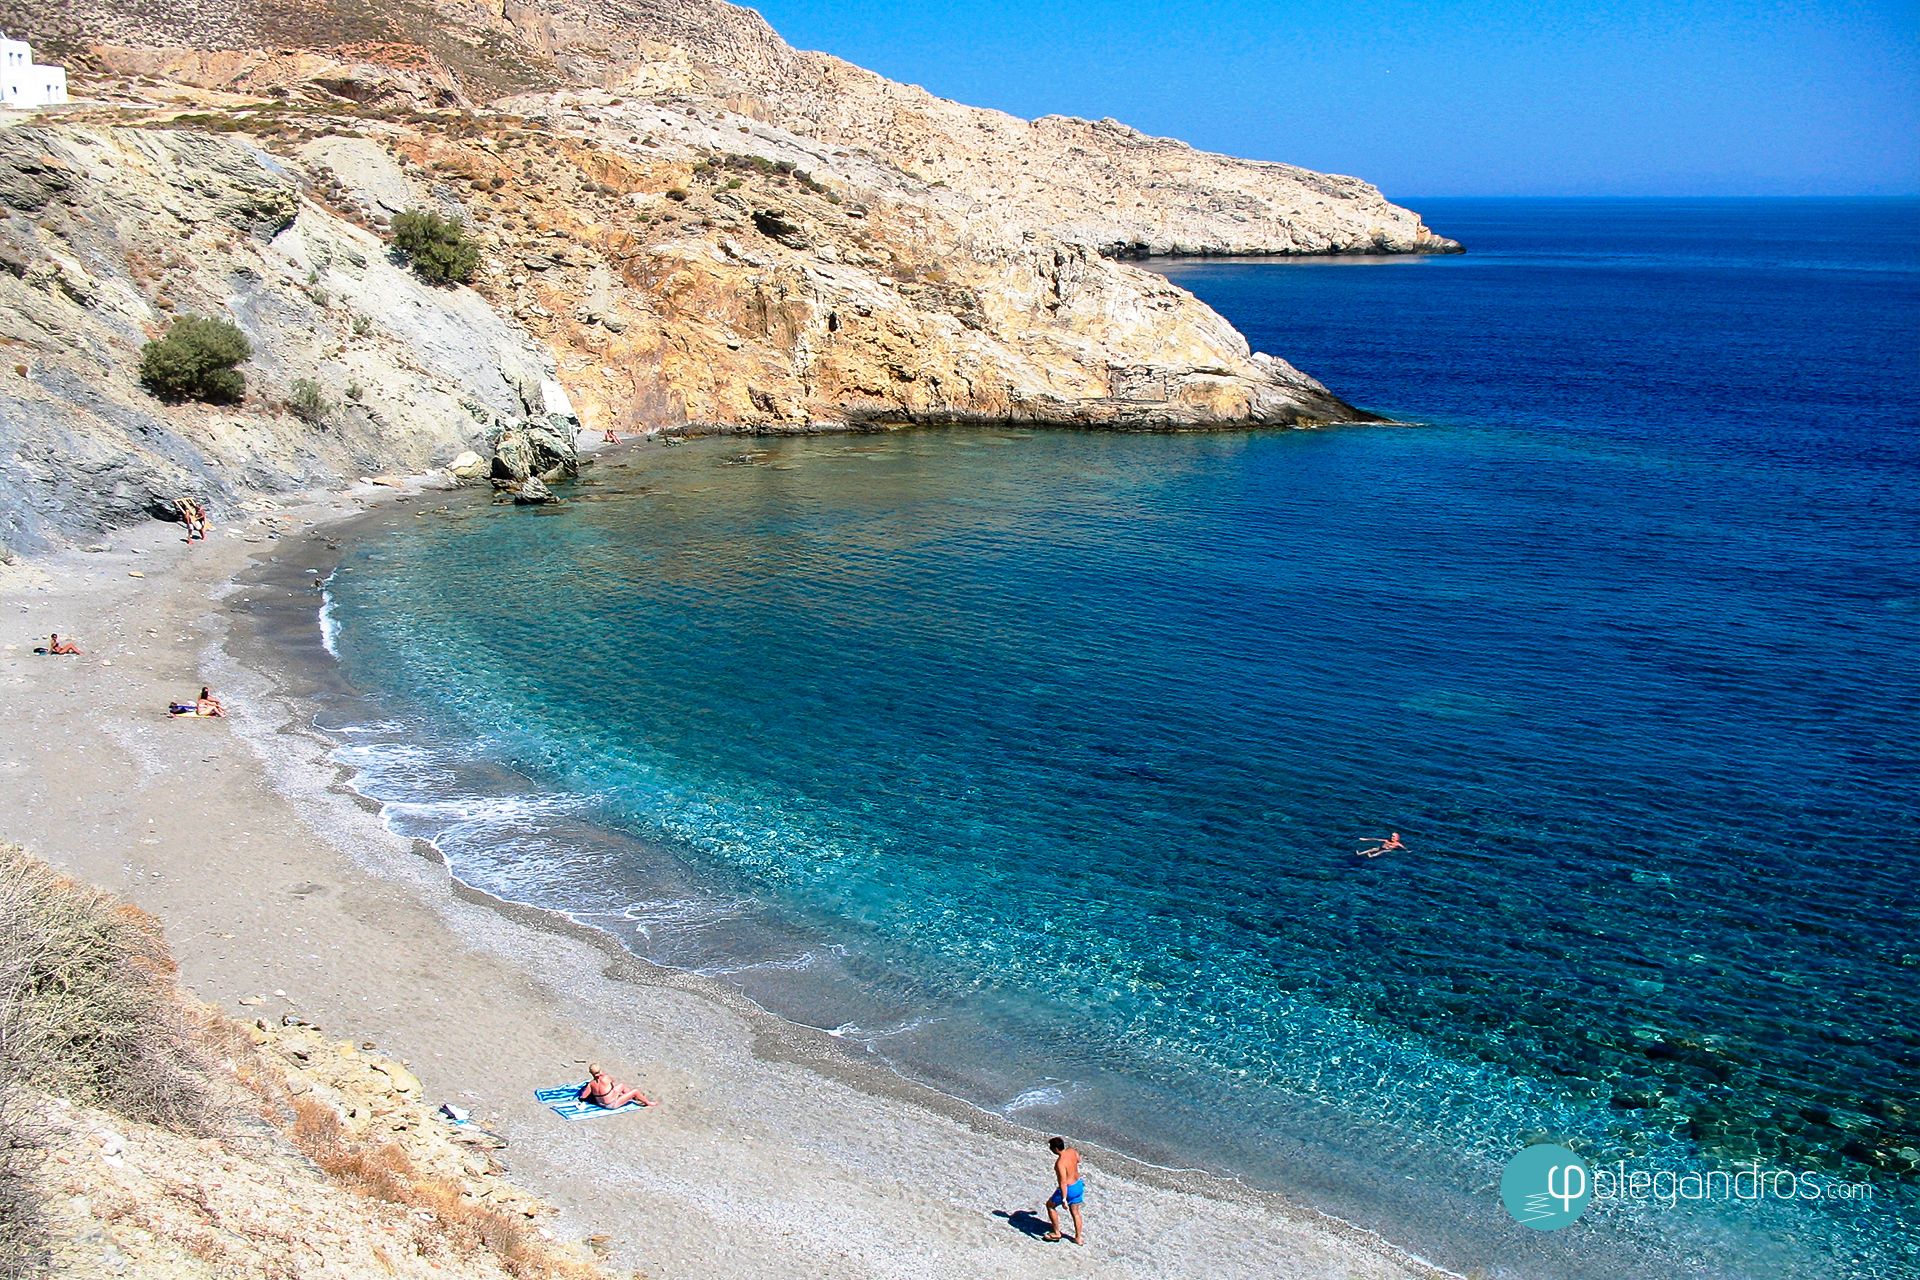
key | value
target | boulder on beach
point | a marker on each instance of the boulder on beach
(534, 449)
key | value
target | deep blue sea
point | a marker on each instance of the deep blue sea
(1034, 762)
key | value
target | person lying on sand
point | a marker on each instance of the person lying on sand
(58, 646)
(1071, 1191)
(205, 705)
(602, 1090)
(1388, 845)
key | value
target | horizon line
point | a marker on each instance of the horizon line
(1460, 195)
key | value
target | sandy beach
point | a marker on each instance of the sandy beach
(773, 1151)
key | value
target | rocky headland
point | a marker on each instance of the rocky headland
(684, 225)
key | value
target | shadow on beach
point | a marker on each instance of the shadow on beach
(1022, 1220)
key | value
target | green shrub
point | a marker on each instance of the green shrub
(195, 361)
(438, 248)
(308, 403)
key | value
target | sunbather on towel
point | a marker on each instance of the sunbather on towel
(603, 1090)
(205, 705)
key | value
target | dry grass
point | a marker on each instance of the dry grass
(383, 1171)
(23, 1234)
(90, 1011)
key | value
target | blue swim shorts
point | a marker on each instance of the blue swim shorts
(1076, 1192)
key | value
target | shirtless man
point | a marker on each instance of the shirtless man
(1072, 1189)
(57, 645)
(602, 1090)
(1387, 845)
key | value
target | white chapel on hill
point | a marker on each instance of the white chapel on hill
(25, 83)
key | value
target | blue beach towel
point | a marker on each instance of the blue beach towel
(565, 1102)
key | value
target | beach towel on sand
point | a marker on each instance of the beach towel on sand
(564, 1100)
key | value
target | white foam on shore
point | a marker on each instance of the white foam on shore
(1045, 1095)
(784, 964)
(869, 1037)
(329, 625)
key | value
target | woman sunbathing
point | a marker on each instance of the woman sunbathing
(205, 705)
(59, 646)
(603, 1090)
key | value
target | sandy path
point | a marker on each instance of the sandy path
(772, 1155)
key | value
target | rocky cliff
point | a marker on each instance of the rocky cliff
(107, 233)
(1099, 184)
(684, 224)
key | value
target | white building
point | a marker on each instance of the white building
(26, 84)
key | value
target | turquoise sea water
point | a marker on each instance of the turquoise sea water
(1034, 762)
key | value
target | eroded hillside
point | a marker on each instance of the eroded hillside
(1098, 184)
(683, 224)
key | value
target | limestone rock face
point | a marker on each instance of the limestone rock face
(684, 225)
(1097, 183)
(137, 226)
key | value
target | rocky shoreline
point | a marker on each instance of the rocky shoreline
(680, 224)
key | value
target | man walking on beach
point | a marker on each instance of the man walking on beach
(1072, 1189)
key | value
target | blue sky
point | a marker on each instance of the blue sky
(1688, 97)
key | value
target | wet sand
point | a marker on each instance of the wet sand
(774, 1152)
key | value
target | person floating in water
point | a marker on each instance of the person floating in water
(1387, 845)
(63, 647)
(1071, 1191)
(602, 1090)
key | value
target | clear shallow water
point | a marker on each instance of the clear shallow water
(1034, 762)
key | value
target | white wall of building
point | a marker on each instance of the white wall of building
(26, 83)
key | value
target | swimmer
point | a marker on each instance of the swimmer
(1387, 845)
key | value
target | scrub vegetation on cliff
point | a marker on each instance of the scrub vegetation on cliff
(437, 248)
(140, 1128)
(669, 220)
(196, 360)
